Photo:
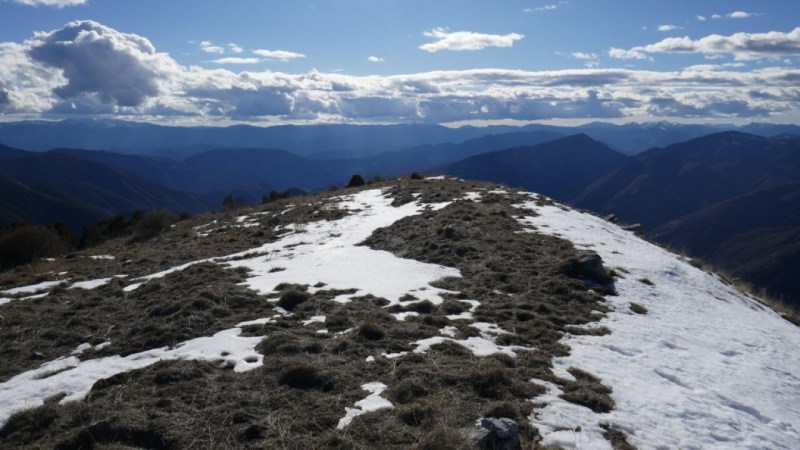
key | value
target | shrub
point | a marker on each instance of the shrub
(152, 223)
(291, 298)
(371, 331)
(305, 377)
(27, 244)
(416, 176)
(356, 181)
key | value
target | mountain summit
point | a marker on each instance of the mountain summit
(430, 313)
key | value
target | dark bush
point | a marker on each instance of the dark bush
(291, 298)
(28, 243)
(416, 176)
(152, 223)
(371, 331)
(305, 377)
(356, 181)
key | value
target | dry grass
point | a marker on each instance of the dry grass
(296, 399)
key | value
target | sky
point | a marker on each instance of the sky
(268, 62)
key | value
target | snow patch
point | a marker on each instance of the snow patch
(43, 286)
(75, 378)
(706, 367)
(373, 402)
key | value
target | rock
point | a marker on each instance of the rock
(590, 265)
(611, 218)
(636, 228)
(500, 434)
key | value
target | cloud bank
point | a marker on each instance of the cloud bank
(742, 46)
(86, 68)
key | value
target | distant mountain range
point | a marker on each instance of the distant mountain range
(561, 168)
(728, 197)
(337, 141)
(55, 186)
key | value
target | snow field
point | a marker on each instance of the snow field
(706, 367)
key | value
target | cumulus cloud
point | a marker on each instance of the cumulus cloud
(235, 48)
(375, 59)
(466, 40)
(235, 60)
(664, 28)
(741, 15)
(119, 68)
(208, 47)
(701, 18)
(5, 98)
(87, 68)
(53, 3)
(280, 55)
(742, 46)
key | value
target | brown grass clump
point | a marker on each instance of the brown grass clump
(587, 390)
(291, 298)
(616, 437)
(371, 331)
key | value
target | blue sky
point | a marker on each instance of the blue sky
(371, 61)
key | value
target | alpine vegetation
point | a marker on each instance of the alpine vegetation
(428, 313)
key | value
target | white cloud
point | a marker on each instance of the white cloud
(54, 3)
(235, 60)
(735, 15)
(701, 18)
(235, 48)
(742, 46)
(375, 59)
(582, 55)
(87, 68)
(541, 8)
(280, 55)
(741, 15)
(208, 47)
(466, 40)
(634, 53)
(668, 27)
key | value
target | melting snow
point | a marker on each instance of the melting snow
(328, 252)
(373, 402)
(314, 319)
(43, 286)
(75, 378)
(706, 367)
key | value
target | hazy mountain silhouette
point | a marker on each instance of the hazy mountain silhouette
(562, 168)
(334, 141)
(754, 236)
(663, 184)
(425, 157)
(55, 186)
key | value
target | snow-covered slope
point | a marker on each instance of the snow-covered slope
(706, 367)
(694, 364)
